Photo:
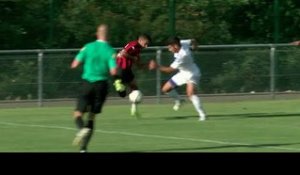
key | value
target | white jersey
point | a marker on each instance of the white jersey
(189, 72)
(184, 60)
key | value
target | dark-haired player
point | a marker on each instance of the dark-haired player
(188, 73)
(126, 58)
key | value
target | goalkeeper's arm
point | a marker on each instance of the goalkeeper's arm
(296, 43)
(75, 64)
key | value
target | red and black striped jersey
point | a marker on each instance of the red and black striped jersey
(133, 48)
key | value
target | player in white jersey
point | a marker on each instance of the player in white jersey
(188, 73)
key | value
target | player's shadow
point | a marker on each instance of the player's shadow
(270, 146)
(235, 116)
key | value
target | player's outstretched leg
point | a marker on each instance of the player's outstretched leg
(169, 88)
(178, 101)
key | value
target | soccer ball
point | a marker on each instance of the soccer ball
(135, 96)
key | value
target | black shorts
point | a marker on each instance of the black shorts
(127, 75)
(92, 96)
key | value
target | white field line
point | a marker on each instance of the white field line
(152, 136)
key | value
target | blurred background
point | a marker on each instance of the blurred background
(243, 44)
(29, 24)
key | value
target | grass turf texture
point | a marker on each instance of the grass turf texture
(253, 126)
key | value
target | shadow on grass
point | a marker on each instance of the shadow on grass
(234, 116)
(273, 145)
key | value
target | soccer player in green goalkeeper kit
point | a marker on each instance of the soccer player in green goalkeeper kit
(99, 64)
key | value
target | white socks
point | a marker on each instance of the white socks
(195, 100)
(197, 104)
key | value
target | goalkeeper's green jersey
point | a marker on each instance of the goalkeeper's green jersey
(98, 58)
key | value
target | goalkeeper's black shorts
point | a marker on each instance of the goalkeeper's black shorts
(92, 96)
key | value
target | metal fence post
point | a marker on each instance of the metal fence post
(40, 79)
(272, 71)
(158, 76)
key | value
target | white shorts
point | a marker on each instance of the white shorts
(182, 78)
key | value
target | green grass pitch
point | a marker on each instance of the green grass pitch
(253, 126)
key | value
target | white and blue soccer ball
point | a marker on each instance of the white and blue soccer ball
(135, 96)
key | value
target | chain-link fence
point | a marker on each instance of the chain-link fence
(38, 75)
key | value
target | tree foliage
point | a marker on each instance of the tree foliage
(71, 23)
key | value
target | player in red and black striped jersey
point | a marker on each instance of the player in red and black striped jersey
(129, 56)
(126, 58)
